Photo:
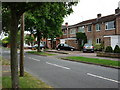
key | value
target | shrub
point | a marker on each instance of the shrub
(98, 47)
(116, 49)
(109, 49)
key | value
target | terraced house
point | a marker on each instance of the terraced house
(103, 29)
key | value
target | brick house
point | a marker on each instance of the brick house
(104, 30)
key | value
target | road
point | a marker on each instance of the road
(67, 74)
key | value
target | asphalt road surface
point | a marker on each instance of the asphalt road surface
(67, 74)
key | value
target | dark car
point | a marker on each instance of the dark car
(64, 47)
(88, 48)
(36, 46)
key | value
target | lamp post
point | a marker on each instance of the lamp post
(66, 24)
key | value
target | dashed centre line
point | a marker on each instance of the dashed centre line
(58, 65)
(103, 78)
(34, 59)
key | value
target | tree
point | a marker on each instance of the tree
(82, 39)
(16, 10)
(48, 19)
(29, 39)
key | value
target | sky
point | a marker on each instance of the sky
(88, 9)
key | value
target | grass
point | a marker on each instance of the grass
(40, 53)
(27, 81)
(95, 61)
(4, 61)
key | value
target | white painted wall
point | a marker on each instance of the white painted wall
(62, 40)
(115, 40)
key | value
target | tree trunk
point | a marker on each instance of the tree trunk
(51, 43)
(38, 40)
(22, 48)
(13, 54)
(46, 46)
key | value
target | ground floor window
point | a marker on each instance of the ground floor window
(98, 40)
(89, 41)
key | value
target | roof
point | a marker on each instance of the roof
(94, 21)
(105, 19)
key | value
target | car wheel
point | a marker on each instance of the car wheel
(72, 49)
(58, 49)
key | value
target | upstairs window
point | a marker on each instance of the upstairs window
(89, 28)
(98, 27)
(110, 25)
(73, 31)
(64, 32)
(81, 29)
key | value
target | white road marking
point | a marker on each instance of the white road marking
(34, 59)
(103, 78)
(57, 65)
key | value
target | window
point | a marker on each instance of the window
(89, 28)
(89, 41)
(81, 29)
(73, 31)
(98, 27)
(98, 40)
(110, 25)
(65, 45)
(64, 32)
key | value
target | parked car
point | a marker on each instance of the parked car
(36, 46)
(88, 48)
(64, 47)
(27, 46)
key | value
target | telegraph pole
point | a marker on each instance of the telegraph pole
(66, 24)
(22, 47)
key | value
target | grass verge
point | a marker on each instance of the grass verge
(94, 61)
(4, 61)
(27, 81)
(40, 53)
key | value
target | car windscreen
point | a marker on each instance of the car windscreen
(87, 45)
(66, 45)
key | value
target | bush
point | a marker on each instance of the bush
(98, 47)
(109, 49)
(116, 49)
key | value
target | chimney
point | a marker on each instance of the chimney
(99, 15)
(117, 11)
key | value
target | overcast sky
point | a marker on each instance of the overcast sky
(88, 9)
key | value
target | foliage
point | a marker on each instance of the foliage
(116, 49)
(5, 40)
(109, 49)
(29, 39)
(98, 47)
(46, 21)
(82, 39)
(28, 81)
